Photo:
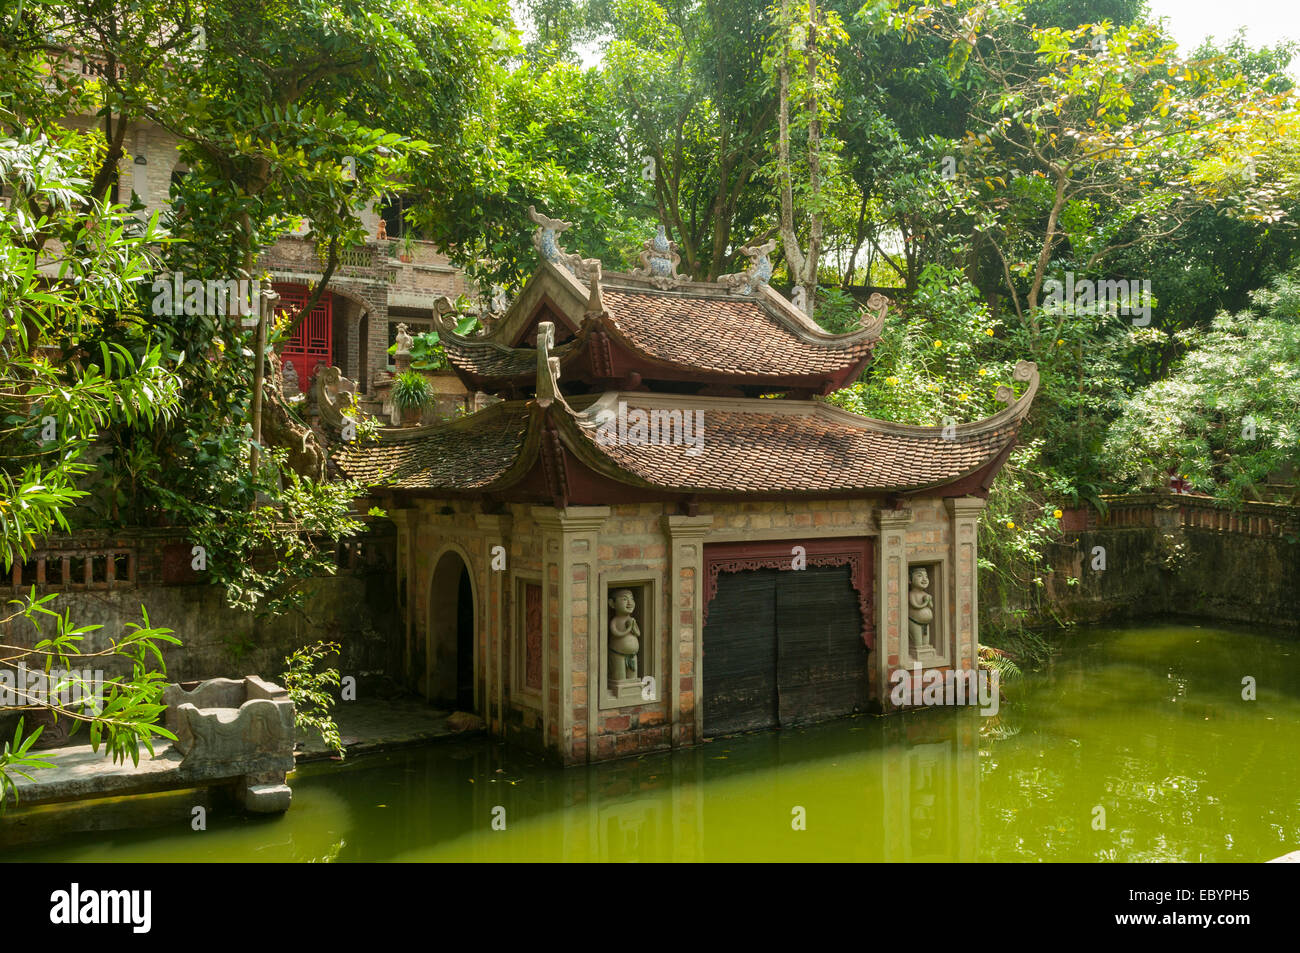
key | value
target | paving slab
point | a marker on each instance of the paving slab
(80, 772)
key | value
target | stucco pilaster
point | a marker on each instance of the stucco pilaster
(964, 516)
(685, 614)
(891, 572)
(490, 639)
(569, 607)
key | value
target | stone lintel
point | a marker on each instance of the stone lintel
(894, 519)
(572, 519)
(686, 527)
(965, 507)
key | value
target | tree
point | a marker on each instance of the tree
(804, 63)
(1228, 414)
(689, 77)
(1099, 131)
(276, 107)
(68, 261)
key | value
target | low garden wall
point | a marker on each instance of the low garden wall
(1169, 555)
(104, 580)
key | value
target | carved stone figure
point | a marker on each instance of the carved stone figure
(403, 339)
(659, 260)
(291, 386)
(547, 242)
(333, 395)
(920, 608)
(624, 636)
(758, 274)
(500, 303)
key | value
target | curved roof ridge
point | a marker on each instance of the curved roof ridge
(1025, 371)
(1017, 409)
(809, 330)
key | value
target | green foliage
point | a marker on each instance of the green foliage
(264, 555)
(120, 713)
(427, 353)
(14, 760)
(1228, 414)
(996, 660)
(278, 119)
(411, 390)
(309, 689)
(837, 311)
(61, 384)
(698, 112)
(942, 362)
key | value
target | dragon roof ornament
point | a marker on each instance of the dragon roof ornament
(659, 260)
(873, 317)
(547, 242)
(757, 275)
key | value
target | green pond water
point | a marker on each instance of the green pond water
(1145, 723)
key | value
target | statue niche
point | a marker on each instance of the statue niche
(920, 610)
(623, 639)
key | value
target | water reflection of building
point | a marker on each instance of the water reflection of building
(903, 790)
(931, 788)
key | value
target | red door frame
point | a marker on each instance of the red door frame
(312, 342)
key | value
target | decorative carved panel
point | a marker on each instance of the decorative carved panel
(856, 553)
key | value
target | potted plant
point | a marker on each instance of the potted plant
(411, 394)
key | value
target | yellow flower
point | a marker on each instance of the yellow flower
(983, 371)
(989, 332)
(1060, 341)
(938, 344)
(1010, 525)
(891, 381)
(1057, 513)
(963, 396)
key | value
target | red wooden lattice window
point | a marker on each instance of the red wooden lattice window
(312, 343)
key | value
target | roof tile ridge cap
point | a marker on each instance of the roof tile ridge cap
(622, 281)
(464, 421)
(474, 343)
(1017, 407)
(567, 277)
(809, 330)
(528, 449)
(740, 405)
(574, 433)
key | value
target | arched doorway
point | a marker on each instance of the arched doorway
(449, 674)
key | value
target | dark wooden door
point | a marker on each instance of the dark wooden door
(782, 647)
(740, 654)
(821, 670)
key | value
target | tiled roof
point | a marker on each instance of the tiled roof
(467, 453)
(488, 358)
(818, 449)
(735, 335)
(802, 447)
